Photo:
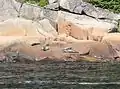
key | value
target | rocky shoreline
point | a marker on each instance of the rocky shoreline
(64, 30)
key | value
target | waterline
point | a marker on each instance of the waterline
(74, 83)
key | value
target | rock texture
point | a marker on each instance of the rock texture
(30, 12)
(22, 27)
(52, 1)
(83, 27)
(69, 30)
(9, 9)
(80, 7)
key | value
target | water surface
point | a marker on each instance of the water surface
(60, 75)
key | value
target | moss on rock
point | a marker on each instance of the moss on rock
(112, 5)
(41, 3)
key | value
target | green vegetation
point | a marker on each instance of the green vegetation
(112, 5)
(41, 3)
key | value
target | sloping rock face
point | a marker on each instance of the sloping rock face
(113, 42)
(30, 12)
(79, 7)
(9, 9)
(67, 30)
(22, 27)
(82, 27)
(60, 51)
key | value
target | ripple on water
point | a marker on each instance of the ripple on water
(60, 75)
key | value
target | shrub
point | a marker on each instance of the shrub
(41, 3)
(112, 5)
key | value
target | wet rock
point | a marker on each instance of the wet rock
(2, 57)
(24, 58)
(17, 57)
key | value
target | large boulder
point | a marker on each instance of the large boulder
(15, 8)
(113, 42)
(83, 27)
(31, 47)
(9, 9)
(80, 7)
(51, 15)
(31, 12)
(71, 31)
(57, 50)
(94, 49)
(20, 47)
(22, 27)
(69, 51)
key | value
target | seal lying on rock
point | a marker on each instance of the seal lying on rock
(56, 50)
(69, 50)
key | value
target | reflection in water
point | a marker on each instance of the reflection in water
(60, 75)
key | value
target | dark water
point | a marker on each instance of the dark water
(60, 75)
